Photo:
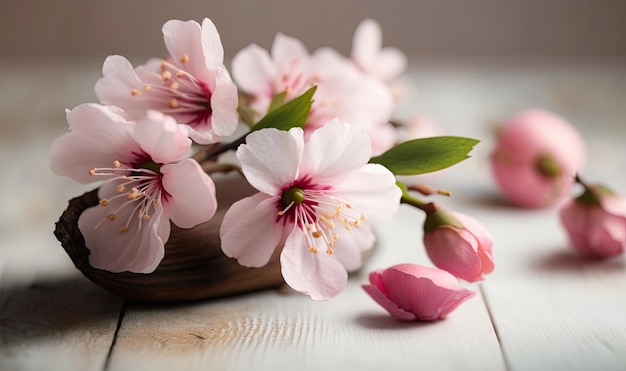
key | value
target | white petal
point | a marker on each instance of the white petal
(351, 244)
(224, 102)
(335, 149)
(254, 70)
(138, 250)
(372, 189)
(318, 275)
(270, 158)
(191, 193)
(249, 231)
(161, 137)
(184, 38)
(366, 43)
(286, 49)
(98, 137)
(211, 44)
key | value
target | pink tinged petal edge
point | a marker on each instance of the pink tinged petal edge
(366, 43)
(224, 102)
(138, 250)
(253, 70)
(249, 231)
(318, 275)
(212, 44)
(389, 305)
(99, 135)
(161, 137)
(191, 193)
(483, 236)
(270, 158)
(334, 149)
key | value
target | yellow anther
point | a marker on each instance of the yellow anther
(147, 87)
(163, 66)
(313, 249)
(335, 237)
(317, 234)
(92, 171)
(180, 74)
(348, 226)
(330, 251)
(111, 216)
(174, 85)
(145, 217)
(166, 75)
(356, 223)
(116, 164)
(122, 229)
(184, 58)
(174, 103)
(363, 217)
(135, 92)
(103, 202)
(121, 188)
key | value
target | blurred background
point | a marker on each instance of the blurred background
(419, 27)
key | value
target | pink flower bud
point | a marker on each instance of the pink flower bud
(535, 158)
(596, 222)
(413, 292)
(458, 244)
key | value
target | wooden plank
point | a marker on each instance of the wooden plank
(273, 330)
(55, 323)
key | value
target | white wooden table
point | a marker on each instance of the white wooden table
(542, 309)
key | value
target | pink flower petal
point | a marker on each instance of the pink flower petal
(249, 231)
(138, 250)
(211, 44)
(351, 244)
(268, 168)
(371, 187)
(161, 137)
(286, 49)
(224, 102)
(389, 305)
(335, 149)
(318, 275)
(455, 251)
(366, 43)
(184, 38)
(101, 135)
(191, 193)
(254, 70)
(115, 87)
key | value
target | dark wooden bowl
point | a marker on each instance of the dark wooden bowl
(194, 266)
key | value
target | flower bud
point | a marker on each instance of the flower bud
(595, 222)
(413, 292)
(535, 158)
(458, 244)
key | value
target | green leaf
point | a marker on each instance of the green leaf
(277, 101)
(425, 155)
(291, 114)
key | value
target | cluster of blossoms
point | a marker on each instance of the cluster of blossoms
(539, 150)
(319, 189)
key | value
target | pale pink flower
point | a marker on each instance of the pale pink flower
(368, 52)
(314, 196)
(535, 158)
(148, 183)
(192, 84)
(343, 91)
(458, 244)
(413, 292)
(596, 222)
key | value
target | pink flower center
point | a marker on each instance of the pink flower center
(316, 213)
(139, 189)
(179, 93)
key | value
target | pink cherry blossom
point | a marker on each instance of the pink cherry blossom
(192, 84)
(314, 196)
(535, 158)
(148, 182)
(596, 222)
(413, 292)
(343, 91)
(458, 244)
(367, 52)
